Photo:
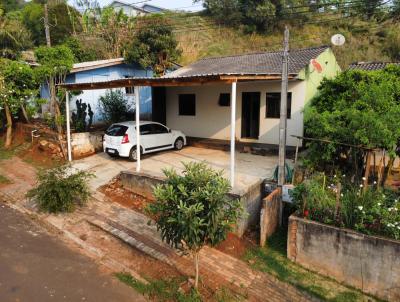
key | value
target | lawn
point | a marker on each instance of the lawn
(172, 290)
(272, 259)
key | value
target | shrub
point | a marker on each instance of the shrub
(372, 211)
(114, 106)
(60, 189)
(193, 210)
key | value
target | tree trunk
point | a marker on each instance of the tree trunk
(25, 114)
(55, 106)
(9, 126)
(196, 264)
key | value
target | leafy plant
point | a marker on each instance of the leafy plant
(193, 209)
(17, 86)
(60, 189)
(154, 45)
(114, 107)
(55, 63)
(356, 108)
(370, 211)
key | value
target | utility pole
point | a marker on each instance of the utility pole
(283, 120)
(47, 26)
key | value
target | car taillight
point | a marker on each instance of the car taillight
(125, 139)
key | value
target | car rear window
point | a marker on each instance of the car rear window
(116, 130)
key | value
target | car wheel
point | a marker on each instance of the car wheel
(179, 144)
(133, 154)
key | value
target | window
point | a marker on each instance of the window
(274, 105)
(224, 99)
(129, 90)
(146, 129)
(159, 129)
(187, 104)
(116, 130)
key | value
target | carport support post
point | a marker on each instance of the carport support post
(137, 101)
(233, 133)
(68, 127)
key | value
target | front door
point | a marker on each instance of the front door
(250, 115)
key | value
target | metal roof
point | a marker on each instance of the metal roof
(95, 64)
(265, 63)
(370, 66)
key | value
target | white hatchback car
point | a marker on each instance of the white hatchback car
(120, 139)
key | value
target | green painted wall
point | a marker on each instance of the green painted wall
(330, 69)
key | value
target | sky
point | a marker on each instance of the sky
(170, 4)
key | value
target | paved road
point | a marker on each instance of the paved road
(36, 267)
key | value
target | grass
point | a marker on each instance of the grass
(363, 42)
(272, 259)
(4, 180)
(169, 290)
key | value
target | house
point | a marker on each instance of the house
(196, 99)
(202, 112)
(230, 100)
(133, 10)
(370, 66)
(105, 70)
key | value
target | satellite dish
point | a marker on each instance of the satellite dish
(338, 40)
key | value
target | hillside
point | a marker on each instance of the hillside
(199, 37)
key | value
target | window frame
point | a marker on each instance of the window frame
(289, 105)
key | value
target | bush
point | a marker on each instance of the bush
(372, 211)
(114, 107)
(60, 189)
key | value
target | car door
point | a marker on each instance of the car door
(160, 137)
(145, 137)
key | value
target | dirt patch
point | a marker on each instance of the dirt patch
(115, 192)
(235, 246)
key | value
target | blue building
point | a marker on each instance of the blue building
(106, 70)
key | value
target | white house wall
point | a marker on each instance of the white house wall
(213, 121)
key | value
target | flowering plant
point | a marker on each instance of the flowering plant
(371, 211)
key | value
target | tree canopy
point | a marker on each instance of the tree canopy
(358, 108)
(154, 45)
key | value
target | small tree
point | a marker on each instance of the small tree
(60, 190)
(17, 85)
(154, 45)
(193, 210)
(55, 63)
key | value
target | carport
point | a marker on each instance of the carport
(137, 83)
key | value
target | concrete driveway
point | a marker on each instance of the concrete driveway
(250, 169)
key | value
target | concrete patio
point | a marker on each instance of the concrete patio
(250, 169)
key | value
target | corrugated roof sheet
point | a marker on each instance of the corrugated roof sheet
(370, 66)
(96, 64)
(256, 63)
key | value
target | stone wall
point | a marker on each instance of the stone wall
(369, 263)
(142, 184)
(86, 143)
(269, 216)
